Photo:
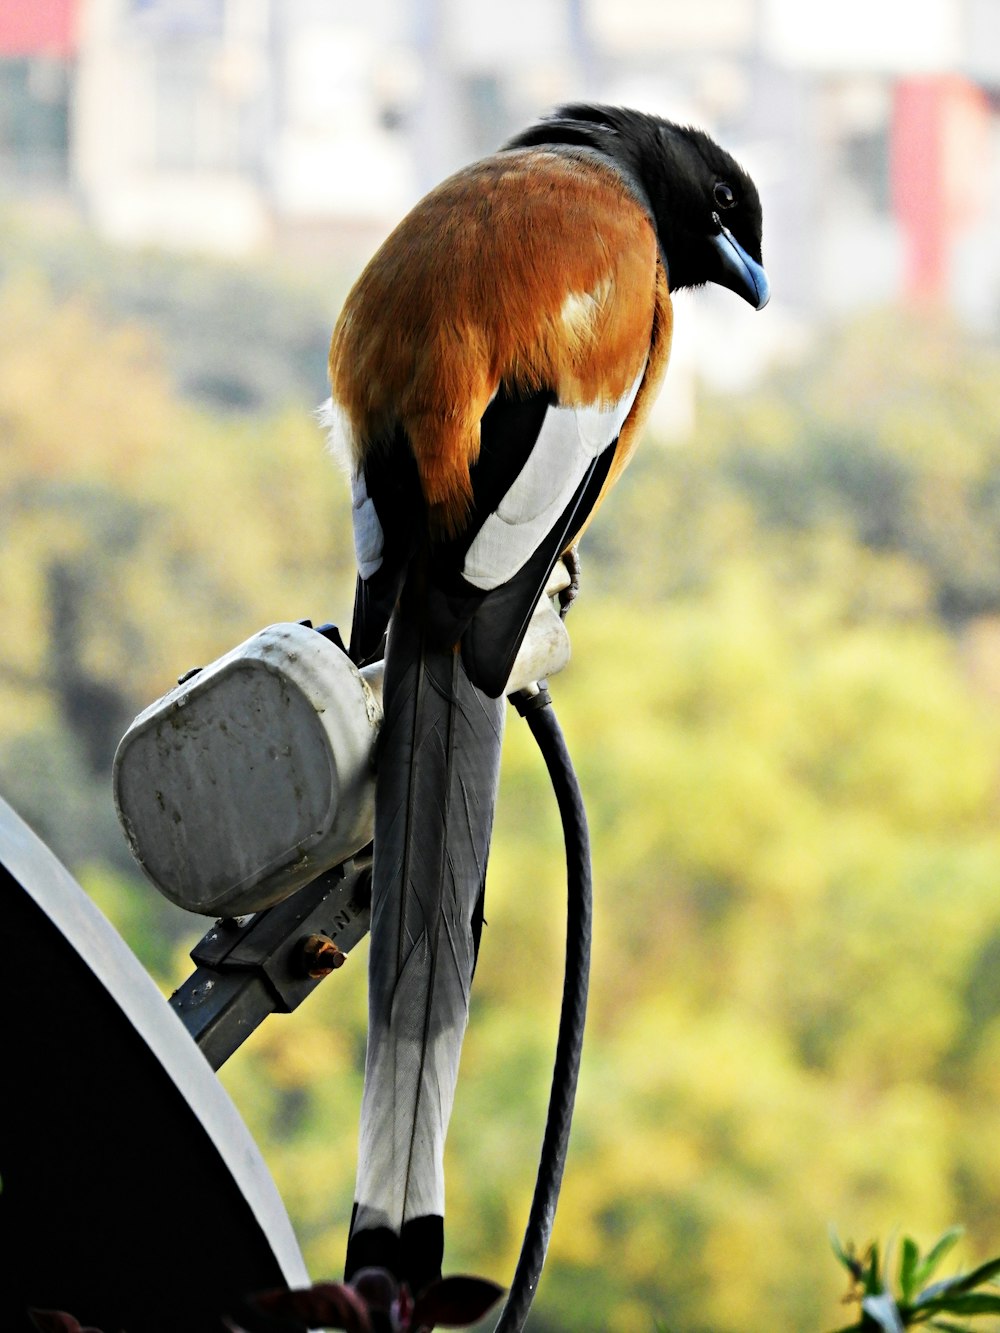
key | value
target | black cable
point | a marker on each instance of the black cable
(541, 718)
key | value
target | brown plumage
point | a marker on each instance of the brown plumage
(531, 269)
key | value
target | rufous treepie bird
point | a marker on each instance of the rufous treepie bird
(491, 372)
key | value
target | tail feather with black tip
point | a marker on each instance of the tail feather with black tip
(438, 770)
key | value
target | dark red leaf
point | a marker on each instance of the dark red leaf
(325, 1305)
(455, 1302)
(58, 1321)
(377, 1288)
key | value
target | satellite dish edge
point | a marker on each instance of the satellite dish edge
(132, 1192)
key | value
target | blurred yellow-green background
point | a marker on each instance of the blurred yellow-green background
(784, 701)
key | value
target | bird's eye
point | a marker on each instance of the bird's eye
(724, 196)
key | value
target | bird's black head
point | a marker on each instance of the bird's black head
(705, 207)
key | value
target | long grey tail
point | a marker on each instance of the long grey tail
(438, 771)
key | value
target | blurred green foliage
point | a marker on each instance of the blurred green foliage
(886, 1306)
(784, 706)
(232, 337)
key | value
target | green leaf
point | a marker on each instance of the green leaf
(971, 1302)
(874, 1286)
(935, 1291)
(979, 1275)
(945, 1242)
(887, 1260)
(946, 1326)
(953, 1286)
(846, 1257)
(884, 1310)
(909, 1257)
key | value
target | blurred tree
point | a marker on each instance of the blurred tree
(235, 338)
(890, 430)
(126, 557)
(791, 764)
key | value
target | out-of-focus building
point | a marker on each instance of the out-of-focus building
(872, 126)
(896, 165)
(218, 124)
(37, 57)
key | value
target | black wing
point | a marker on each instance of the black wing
(540, 470)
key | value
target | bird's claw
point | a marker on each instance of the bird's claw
(569, 594)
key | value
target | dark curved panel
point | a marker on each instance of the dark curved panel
(133, 1195)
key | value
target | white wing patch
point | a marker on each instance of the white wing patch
(569, 441)
(369, 539)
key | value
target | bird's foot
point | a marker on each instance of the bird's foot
(569, 594)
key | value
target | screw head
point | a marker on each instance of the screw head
(318, 956)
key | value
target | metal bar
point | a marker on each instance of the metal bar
(268, 963)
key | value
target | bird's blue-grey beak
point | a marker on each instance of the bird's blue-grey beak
(737, 270)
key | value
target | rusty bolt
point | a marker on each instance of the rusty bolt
(319, 956)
